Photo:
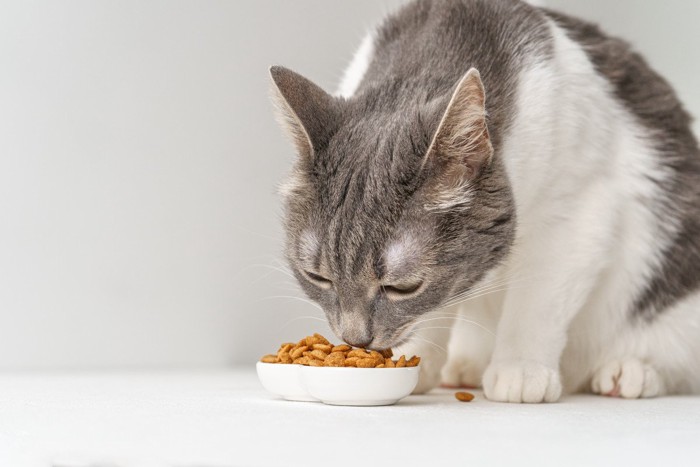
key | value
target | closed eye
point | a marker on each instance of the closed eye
(318, 279)
(402, 289)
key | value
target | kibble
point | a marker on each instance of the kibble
(464, 396)
(316, 350)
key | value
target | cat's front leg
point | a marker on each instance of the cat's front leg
(473, 335)
(517, 380)
(557, 272)
(529, 342)
(429, 339)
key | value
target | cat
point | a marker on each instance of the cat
(507, 181)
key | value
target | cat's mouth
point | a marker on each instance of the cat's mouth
(379, 343)
(400, 337)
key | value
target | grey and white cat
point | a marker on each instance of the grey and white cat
(503, 167)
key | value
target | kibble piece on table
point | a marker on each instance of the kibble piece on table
(464, 396)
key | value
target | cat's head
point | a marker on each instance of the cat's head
(390, 211)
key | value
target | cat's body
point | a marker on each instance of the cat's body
(578, 209)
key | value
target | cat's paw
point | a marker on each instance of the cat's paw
(628, 378)
(521, 381)
(462, 372)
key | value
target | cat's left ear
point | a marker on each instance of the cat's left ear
(308, 113)
(461, 146)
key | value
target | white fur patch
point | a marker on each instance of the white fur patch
(308, 246)
(402, 253)
(456, 195)
(291, 185)
(358, 67)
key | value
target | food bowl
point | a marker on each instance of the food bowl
(284, 380)
(360, 386)
(338, 386)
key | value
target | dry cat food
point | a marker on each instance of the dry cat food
(316, 350)
(464, 396)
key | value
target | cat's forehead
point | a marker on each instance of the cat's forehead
(367, 162)
(365, 140)
(396, 256)
(379, 135)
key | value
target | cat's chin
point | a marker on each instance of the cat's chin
(400, 339)
(382, 345)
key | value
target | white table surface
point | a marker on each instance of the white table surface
(224, 418)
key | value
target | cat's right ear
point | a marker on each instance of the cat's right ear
(308, 113)
(461, 147)
(461, 144)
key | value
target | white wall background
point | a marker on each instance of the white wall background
(138, 160)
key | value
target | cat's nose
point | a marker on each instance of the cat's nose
(355, 325)
(357, 341)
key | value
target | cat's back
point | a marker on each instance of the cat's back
(420, 52)
(666, 126)
(439, 38)
(641, 89)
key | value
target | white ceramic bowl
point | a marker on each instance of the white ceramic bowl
(360, 386)
(338, 386)
(284, 380)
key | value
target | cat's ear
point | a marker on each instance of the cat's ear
(461, 146)
(308, 113)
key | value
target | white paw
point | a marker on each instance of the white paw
(521, 381)
(628, 378)
(462, 372)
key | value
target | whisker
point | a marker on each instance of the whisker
(288, 288)
(272, 268)
(511, 277)
(471, 292)
(272, 297)
(504, 282)
(488, 284)
(458, 318)
(495, 279)
(276, 268)
(464, 299)
(434, 327)
(301, 317)
(450, 304)
(280, 263)
(288, 283)
(258, 234)
(413, 335)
